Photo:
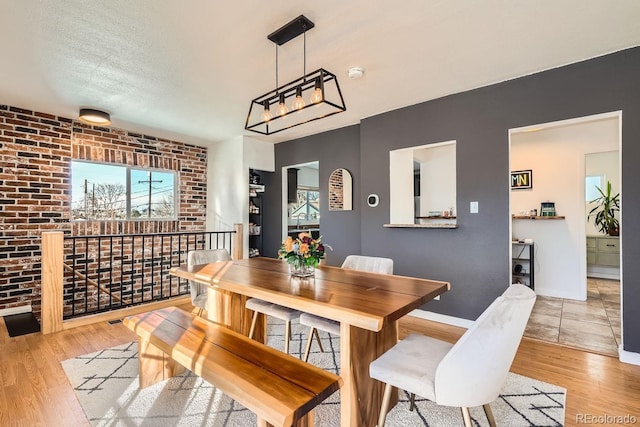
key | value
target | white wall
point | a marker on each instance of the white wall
(258, 155)
(226, 185)
(228, 165)
(401, 184)
(556, 156)
(437, 178)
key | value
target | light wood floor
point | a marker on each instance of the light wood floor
(34, 390)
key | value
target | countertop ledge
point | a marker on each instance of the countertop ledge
(449, 225)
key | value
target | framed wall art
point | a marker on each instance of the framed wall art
(521, 180)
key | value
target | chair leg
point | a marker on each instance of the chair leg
(287, 336)
(384, 408)
(412, 402)
(489, 413)
(466, 416)
(308, 349)
(317, 335)
(253, 324)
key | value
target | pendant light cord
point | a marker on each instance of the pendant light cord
(304, 55)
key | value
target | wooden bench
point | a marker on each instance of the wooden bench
(280, 389)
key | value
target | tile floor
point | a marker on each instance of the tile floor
(592, 325)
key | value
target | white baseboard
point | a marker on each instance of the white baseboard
(555, 293)
(442, 318)
(624, 356)
(600, 272)
(628, 356)
(15, 310)
(597, 275)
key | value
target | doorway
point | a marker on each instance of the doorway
(566, 311)
(301, 199)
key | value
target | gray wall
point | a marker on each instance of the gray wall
(474, 257)
(335, 149)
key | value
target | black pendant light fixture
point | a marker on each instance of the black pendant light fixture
(311, 97)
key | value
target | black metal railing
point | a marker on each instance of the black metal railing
(107, 272)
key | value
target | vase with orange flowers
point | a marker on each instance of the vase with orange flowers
(302, 253)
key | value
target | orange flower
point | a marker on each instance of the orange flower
(304, 248)
(302, 235)
(288, 244)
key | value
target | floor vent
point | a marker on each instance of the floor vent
(114, 322)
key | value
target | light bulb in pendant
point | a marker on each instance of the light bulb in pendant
(298, 104)
(266, 115)
(282, 107)
(317, 95)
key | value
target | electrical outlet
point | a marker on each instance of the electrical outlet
(473, 207)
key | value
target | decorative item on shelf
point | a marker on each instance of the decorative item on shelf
(313, 96)
(255, 179)
(302, 253)
(604, 212)
(254, 252)
(254, 229)
(547, 209)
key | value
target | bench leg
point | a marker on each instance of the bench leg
(154, 365)
(306, 421)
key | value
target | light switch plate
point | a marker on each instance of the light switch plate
(473, 207)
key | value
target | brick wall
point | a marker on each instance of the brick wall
(36, 150)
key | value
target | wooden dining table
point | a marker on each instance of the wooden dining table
(367, 305)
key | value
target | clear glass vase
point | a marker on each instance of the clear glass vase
(300, 269)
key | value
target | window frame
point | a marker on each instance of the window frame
(128, 169)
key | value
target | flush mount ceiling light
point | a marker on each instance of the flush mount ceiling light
(355, 72)
(311, 97)
(94, 117)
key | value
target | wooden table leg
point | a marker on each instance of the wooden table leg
(228, 309)
(361, 396)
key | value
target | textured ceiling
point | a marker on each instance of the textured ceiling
(188, 69)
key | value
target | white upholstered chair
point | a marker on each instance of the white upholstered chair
(270, 309)
(354, 262)
(370, 264)
(203, 256)
(470, 372)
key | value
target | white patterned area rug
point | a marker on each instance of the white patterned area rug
(106, 383)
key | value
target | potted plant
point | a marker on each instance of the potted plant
(604, 212)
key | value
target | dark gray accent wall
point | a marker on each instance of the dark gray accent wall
(475, 257)
(334, 149)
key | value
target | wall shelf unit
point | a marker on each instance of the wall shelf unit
(434, 225)
(523, 263)
(255, 213)
(535, 218)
